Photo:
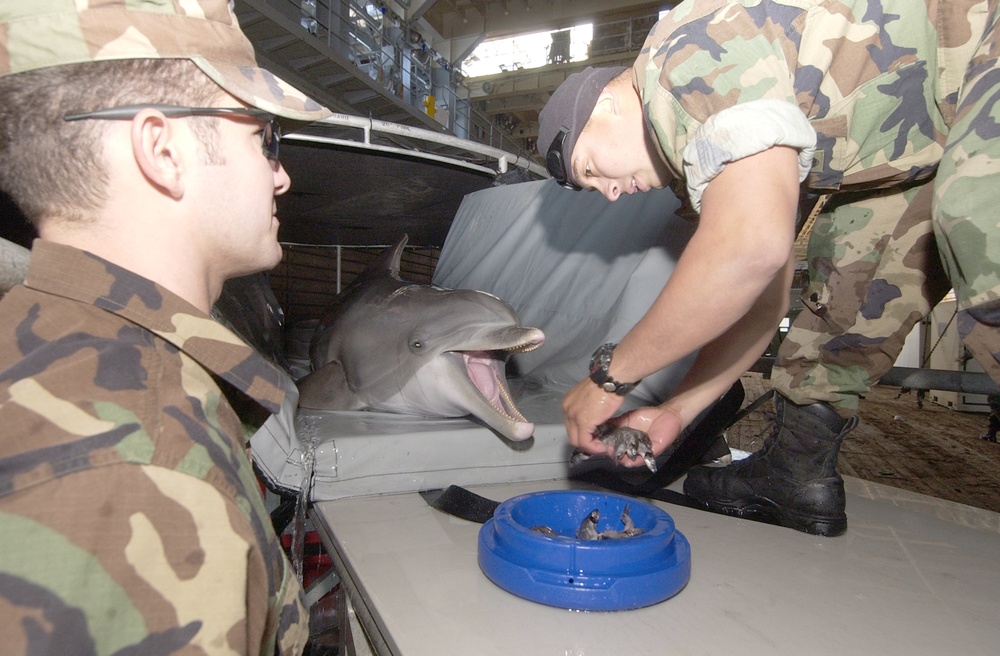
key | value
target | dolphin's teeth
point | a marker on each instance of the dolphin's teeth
(505, 394)
(522, 348)
(485, 372)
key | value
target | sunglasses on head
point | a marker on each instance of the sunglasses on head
(270, 137)
(555, 163)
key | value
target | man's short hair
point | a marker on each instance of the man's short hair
(68, 56)
(52, 167)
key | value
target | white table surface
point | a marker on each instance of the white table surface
(913, 575)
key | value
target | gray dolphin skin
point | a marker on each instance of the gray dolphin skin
(392, 345)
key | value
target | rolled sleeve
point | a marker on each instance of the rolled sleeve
(743, 130)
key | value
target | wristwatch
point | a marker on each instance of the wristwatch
(599, 363)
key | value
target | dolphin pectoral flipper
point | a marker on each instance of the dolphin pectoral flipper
(326, 389)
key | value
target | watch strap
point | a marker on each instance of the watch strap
(599, 364)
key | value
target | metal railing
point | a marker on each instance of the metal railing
(396, 57)
(362, 130)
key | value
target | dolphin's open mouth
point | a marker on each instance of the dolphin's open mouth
(486, 371)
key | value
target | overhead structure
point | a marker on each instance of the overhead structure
(400, 61)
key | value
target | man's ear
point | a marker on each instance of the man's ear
(609, 101)
(156, 150)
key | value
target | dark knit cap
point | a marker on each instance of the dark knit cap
(569, 109)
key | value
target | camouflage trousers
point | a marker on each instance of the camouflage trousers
(967, 204)
(879, 261)
(874, 272)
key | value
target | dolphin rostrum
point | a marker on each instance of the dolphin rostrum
(392, 345)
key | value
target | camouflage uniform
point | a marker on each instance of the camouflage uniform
(874, 96)
(130, 517)
(206, 32)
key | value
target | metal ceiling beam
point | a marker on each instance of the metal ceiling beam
(414, 10)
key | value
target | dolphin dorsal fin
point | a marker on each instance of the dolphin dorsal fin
(391, 257)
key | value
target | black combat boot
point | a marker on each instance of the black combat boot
(792, 481)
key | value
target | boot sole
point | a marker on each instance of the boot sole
(761, 509)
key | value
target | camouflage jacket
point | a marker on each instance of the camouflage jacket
(130, 517)
(864, 90)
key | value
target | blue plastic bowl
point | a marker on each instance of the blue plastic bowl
(566, 572)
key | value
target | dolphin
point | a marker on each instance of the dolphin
(392, 345)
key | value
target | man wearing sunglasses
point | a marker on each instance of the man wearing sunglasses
(750, 105)
(142, 142)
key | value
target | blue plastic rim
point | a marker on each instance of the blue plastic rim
(563, 571)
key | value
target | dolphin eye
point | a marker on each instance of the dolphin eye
(417, 344)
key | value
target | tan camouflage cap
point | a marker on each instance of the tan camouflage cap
(41, 33)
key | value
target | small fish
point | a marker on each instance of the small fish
(588, 528)
(545, 530)
(629, 531)
(626, 441)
